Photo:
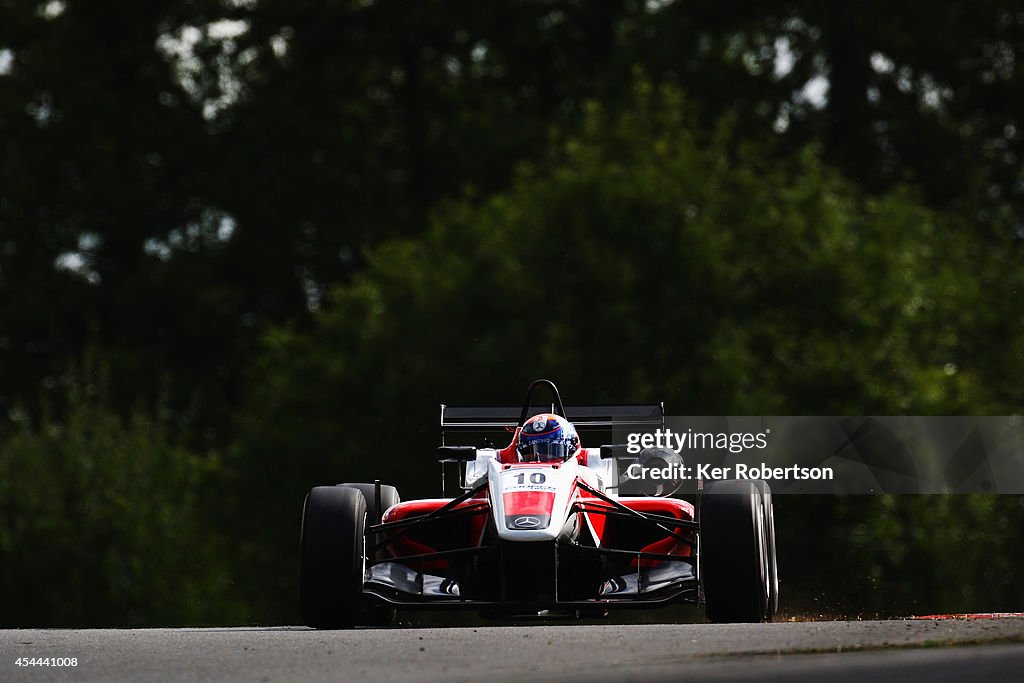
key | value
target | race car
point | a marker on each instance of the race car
(538, 530)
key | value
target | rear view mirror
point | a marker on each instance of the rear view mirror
(456, 453)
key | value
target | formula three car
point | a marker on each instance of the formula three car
(539, 528)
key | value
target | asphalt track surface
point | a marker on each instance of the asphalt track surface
(928, 650)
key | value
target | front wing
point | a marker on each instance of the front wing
(531, 576)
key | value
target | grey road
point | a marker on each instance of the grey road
(939, 650)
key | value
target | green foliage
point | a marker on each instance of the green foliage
(103, 522)
(725, 282)
(879, 556)
(129, 135)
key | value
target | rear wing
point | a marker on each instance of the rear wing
(591, 418)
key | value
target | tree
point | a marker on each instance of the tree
(106, 522)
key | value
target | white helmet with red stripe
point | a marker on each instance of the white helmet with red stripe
(547, 438)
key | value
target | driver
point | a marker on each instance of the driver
(547, 438)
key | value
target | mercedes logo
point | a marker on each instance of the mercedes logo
(527, 522)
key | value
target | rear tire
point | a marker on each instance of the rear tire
(734, 548)
(331, 557)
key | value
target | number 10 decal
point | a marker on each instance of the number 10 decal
(535, 478)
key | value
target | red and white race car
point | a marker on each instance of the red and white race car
(538, 529)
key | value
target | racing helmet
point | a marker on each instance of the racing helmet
(547, 438)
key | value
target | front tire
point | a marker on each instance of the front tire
(388, 497)
(377, 615)
(734, 548)
(331, 557)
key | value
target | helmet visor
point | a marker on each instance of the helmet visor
(544, 451)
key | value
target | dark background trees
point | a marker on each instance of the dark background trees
(232, 232)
